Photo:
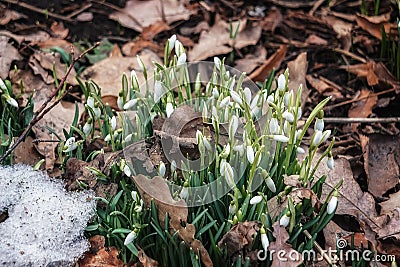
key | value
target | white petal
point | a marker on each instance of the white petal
(255, 200)
(288, 116)
(2, 85)
(217, 63)
(330, 163)
(127, 170)
(284, 221)
(280, 138)
(158, 91)
(87, 128)
(224, 102)
(131, 103)
(270, 183)
(319, 125)
(169, 109)
(264, 242)
(332, 204)
(161, 169)
(184, 193)
(233, 126)
(247, 95)
(281, 82)
(250, 154)
(273, 126)
(317, 138)
(12, 101)
(181, 59)
(171, 42)
(90, 102)
(254, 102)
(236, 97)
(129, 238)
(325, 135)
(120, 102)
(140, 62)
(300, 150)
(113, 122)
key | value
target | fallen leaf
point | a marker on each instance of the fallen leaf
(332, 232)
(391, 204)
(272, 20)
(363, 107)
(8, 54)
(375, 28)
(7, 15)
(140, 14)
(365, 70)
(135, 47)
(85, 17)
(145, 260)
(272, 62)
(316, 40)
(252, 60)
(358, 240)
(217, 41)
(108, 72)
(324, 88)
(298, 70)
(156, 190)
(26, 153)
(342, 29)
(391, 228)
(99, 256)
(201, 26)
(280, 244)
(59, 30)
(52, 42)
(33, 38)
(381, 158)
(239, 237)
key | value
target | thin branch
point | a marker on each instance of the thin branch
(39, 114)
(362, 120)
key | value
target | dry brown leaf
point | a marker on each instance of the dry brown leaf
(365, 70)
(251, 61)
(332, 232)
(282, 236)
(152, 30)
(298, 70)
(272, 62)
(115, 52)
(272, 20)
(7, 15)
(99, 256)
(26, 153)
(342, 29)
(216, 41)
(381, 158)
(363, 107)
(8, 54)
(59, 30)
(135, 47)
(33, 38)
(316, 40)
(375, 28)
(324, 88)
(145, 260)
(108, 72)
(391, 204)
(391, 228)
(188, 31)
(156, 190)
(239, 237)
(140, 14)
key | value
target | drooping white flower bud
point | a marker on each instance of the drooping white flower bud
(255, 200)
(169, 109)
(316, 140)
(287, 98)
(254, 102)
(215, 93)
(127, 170)
(130, 104)
(264, 240)
(240, 149)
(236, 97)
(70, 145)
(142, 67)
(120, 101)
(281, 82)
(171, 43)
(300, 150)
(332, 204)
(134, 80)
(250, 154)
(288, 116)
(217, 63)
(2, 85)
(233, 126)
(325, 135)
(184, 192)
(270, 183)
(113, 122)
(247, 95)
(224, 102)
(229, 175)
(179, 49)
(330, 163)
(270, 98)
(274, 126)
(181, 59)
(87, 128)
(285, 219)
(161, 169)
(11, 101)
(319, 125)
(130, 238)
(232, 208)
(135, 196)
(280, 138)
(90, 102)
(158, 91)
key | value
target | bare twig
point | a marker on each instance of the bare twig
(349, 54)
(77, 12)
(45, 141)
(361, 120)
(38, 10)
(39, 114)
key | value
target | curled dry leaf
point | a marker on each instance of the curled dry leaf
(365, 70)
(298, 70)
(281, 237)
(251, 61)
(99, 256)
(272, 62)
(239, 237)
(156, 190)
(7, 15)
(145, 261)
(217, 41)
(272, 20)
(375, 27)
(8, 54)
(391, 204)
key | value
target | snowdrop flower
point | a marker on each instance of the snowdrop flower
(140, 63)
(130, 238)
(270, 99)
(281, 82)
(107, 138)
(250, 154)
(134, 196)
(2, 85)
(226, 151)
(217, 63)
(325, 135)
(232, 208)
(185, 191)
(224, 102)
(87, 128)
(169, 109)
(280, 138)
(113, 122)
(254, 102)
(97, 110)
(90, 102)
(240, 149)
(204, 112)
(287, 97)
(161, 169)
(332, 204)
(233, 126)
(11, 101)
(134, 80)
(236, 97)
(138, 208)
(247, 95)
(330, 162)
(127, 170)
(158, 91)
(173, 166)
(222, 167)
(297, 134)
(179, 49)
(300, 150)
(120, 100)
(181, 59)
(226, 114)
(255, 200)
(70, 145)
(285, 219)
(319, 125)
(254, 111)
(316, 140)
(207, 144)
(270, 183)
(229, 175)
(274, 126)
(299, 113)
(171, 43)
(128, 138)
(130, 104)
(264, 239)
(288, 116)
(215, 93)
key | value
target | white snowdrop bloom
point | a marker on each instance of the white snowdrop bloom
(316, 140)
(281, 82)
(134, 196)
(226, 114)
(284, 220)
(181, 59)
(325, 135)
(130, 238)
(299, 113)
(173, 166)
(332, 204)
(297, 134)
(319, 125)
(169, 109)
(217, 63)
(158, 91)
(232, 208)
(287, 97)
(232, 84)
(255, 200)
(236, 97)
(274, 126)
(254, 102)
(250, 154)
(130, 104)
(300, 150)
(229, 175)
(288, 116)
(239, 149)
(270, 98)
(171, 43)
(127, 170)
(179, 49)
(286, 128)
(215, 93)
(140, 63)
(222, 167)
(2, 85)
(270, 183)
(207, 144)
(233, 126)
(90, 102)
(226, 151)
(247, 95)
(330, 163)
(87, 128)
(214, 112)
(254, 111)
(204, 112)
(280, 138)
(224, 102)
(107, 138)
(134, 80)
(70, 145)
(184, 192)
(161, 169)
(11, 101)
(120, 102)
(128, 138)
(264, 240)
(97, 111)
(139, 208)
(113, 122)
